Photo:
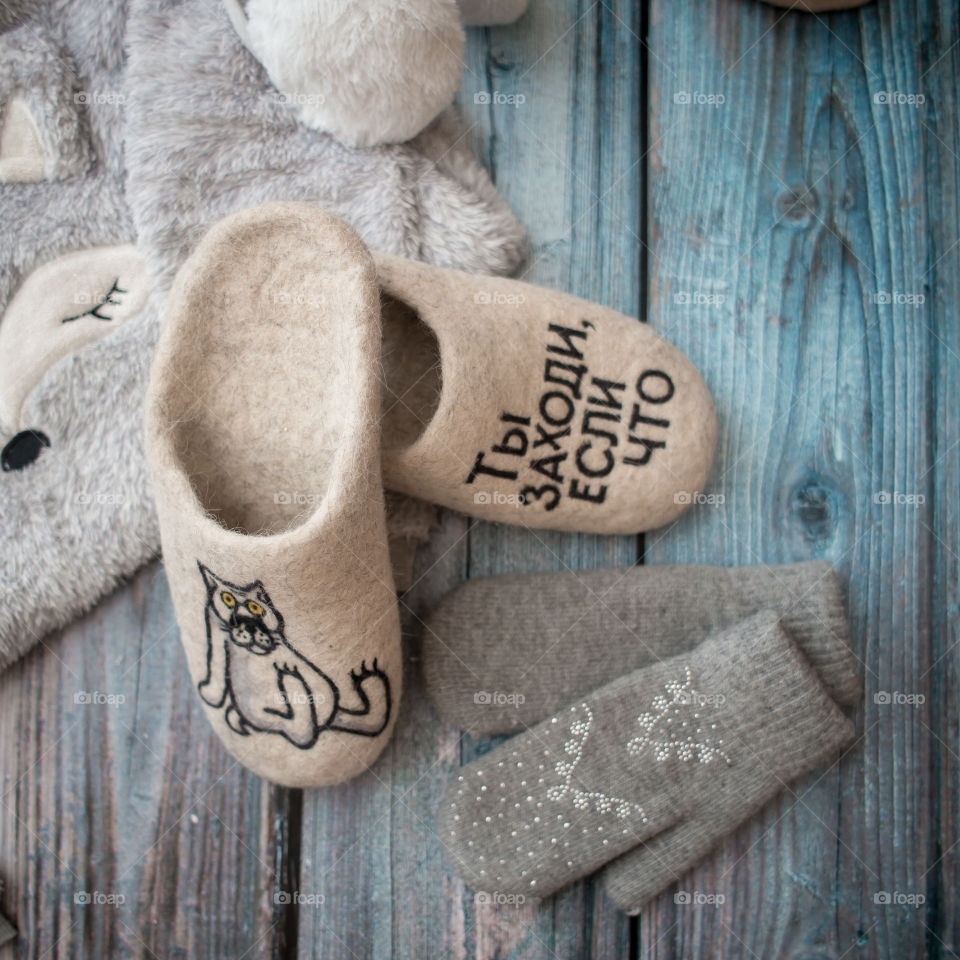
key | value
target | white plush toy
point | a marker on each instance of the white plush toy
(366, 71)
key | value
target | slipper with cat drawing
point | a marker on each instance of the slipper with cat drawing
(519, 404)
(266, 468)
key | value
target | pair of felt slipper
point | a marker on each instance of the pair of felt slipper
(297, 375)
(660, 707)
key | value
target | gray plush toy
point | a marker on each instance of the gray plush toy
(81, 291)
(76, 514)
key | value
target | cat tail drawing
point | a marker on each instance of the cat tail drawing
(372, 688)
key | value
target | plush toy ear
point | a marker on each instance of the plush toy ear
(41, 134)
(22, 157)
(61, 307)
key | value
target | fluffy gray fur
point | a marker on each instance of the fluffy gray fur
(61, 550)
(206, 134)
(34, 68)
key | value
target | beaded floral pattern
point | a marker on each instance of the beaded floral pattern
(678, 725)
(581, 721)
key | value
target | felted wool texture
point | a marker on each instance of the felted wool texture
(540, 409)
(501, 653)
(80, 517)
(367, 71)
(285, 602)
(707, 736)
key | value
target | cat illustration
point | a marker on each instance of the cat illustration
(264, 685)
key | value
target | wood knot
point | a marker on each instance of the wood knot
(815, 508)
(798, 205)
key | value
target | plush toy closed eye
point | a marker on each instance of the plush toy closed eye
(367, 71)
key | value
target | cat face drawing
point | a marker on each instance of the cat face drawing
(264, 685)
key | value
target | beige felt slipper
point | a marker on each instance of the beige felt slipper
(519, 404)
(263, 438)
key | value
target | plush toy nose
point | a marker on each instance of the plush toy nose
(23, 449)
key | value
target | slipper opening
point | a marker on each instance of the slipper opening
(262, 407)
(410, 373)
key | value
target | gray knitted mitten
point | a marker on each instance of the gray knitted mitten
(502, 653)
(703, 739)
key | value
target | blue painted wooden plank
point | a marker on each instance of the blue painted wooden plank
(792, 225)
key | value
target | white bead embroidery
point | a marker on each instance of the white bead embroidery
(579, 731)
(670, 729)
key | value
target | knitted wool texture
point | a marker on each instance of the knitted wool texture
(501, 653)
(704, 738)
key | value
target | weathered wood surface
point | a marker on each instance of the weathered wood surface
(125, 829)
(760, 235)
(782, 221)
